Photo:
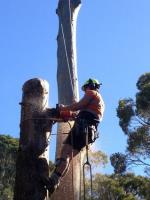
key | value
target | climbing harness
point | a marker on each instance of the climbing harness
(87, 164)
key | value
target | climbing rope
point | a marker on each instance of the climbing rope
(87, 163)
(65, 46)
(67, 59)
(72, 87)
(80, 196)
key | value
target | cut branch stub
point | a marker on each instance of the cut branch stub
(33, 159)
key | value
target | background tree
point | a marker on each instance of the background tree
(106, 187)
(114, 187)
(134, 119)
(97, 158)
(8, 154)
(119, 162)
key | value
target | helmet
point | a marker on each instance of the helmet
(92, 83)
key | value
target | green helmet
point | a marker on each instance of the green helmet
(92, 83)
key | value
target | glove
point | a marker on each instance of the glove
(62, 107)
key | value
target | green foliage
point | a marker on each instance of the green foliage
(114, 187)
(139, 142)
(125, 112)
(106, 188)
(134, 119)
(8, 154)
(143, 81)
(7, 193)
(143, 96)
(98, 158)
(136, 185)
(118, 161)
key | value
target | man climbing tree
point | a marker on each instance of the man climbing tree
(91, 108)
(67, 80)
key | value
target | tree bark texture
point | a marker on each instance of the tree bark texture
(33, 154)
(67, 91)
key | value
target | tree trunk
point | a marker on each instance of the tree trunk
(33, 159)
(67, 90)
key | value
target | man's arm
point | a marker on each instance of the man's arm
(79, 105)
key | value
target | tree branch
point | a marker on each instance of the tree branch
(137, 161)
(142, 121)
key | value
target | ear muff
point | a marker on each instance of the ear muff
(92, 83)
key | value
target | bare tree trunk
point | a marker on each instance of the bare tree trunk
(67, 90)
(33, 159)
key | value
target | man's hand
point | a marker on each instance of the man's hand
(62, 107)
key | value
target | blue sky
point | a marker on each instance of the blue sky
(113, 45)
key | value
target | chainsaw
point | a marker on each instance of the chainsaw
(56, 115)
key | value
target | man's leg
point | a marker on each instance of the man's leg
(62, 167)
(62, 163)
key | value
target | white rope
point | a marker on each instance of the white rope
(70, 13)
(65, 46)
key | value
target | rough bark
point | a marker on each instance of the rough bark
(67, 91)
(33, 159)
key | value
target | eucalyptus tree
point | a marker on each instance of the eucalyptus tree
(67, 12)
(134, 119)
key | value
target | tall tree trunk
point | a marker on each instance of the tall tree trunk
(33, 159)
(67, 90)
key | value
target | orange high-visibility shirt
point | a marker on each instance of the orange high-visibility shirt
(91, 102)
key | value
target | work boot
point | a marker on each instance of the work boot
(53, 183)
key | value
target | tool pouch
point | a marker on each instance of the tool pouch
(84, 127)
(93, 134)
